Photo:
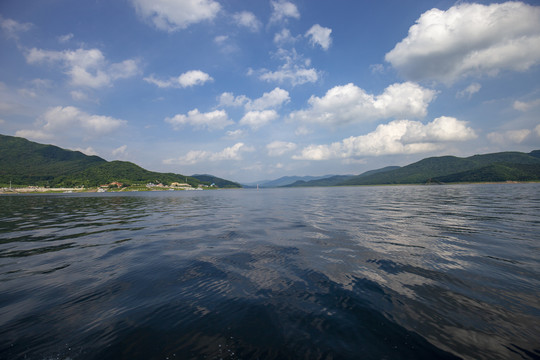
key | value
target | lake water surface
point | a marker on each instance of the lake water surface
(389, 272)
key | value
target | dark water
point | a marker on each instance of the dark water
(404, 272)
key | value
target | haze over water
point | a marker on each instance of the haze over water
(397, 272)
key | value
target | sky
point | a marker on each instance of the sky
(258, 89)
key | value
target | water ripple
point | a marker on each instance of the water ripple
(378, 272)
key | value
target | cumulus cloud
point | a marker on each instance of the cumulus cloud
(235, 134)
(296, 75)
(194, 77)
(526, 106)
(59, 120)
(228, 99)
(120, 151)
(187, 79)
(469, 90)
(272, 99)
(213, 120)
(247, 19)
(34, 134)
(65, 38)
(349, 103)
(509, 137)
(284, 37)
(87, 68)
(469, 39)
(257, 119)
(319, 35)
(61, 117)
(88, 151)
(278, 148)
(282, 9)
(13, 28)
(396, 137)
(195, 156)
(78, 95)
(295, 69)
(171, 16)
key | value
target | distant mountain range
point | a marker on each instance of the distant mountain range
(23, 162)
(285, 180)
(495, 167)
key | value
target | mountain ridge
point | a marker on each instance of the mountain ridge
(24, 162)
(492, 167)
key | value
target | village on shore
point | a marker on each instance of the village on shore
(114, 186)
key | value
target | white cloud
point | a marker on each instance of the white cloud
(537, 130)
(469, 39)
(377, 68)
(349, 103)
(124, 69)
(257, 119)
(295, 74)
(193, 77)
(231, 153)
(175, 15)
(320, 36)
(88, 151)
(34, 134)
(235, 134)
(247, 19)
(220, 39)
(65, 38)
(78, 95)
(282, 9)
(120, 151)
(284, 37)
(295, 69)
(278, 148)
(526, 106)
(509, 137)
(195, 156)
(272, 99)
(228, 99)
(217, 119)
(396, 137)
(302, 131)
(60, 120)
(12, 28)
(187, 79)
(162, 83)
(469, 90)
(85, 67)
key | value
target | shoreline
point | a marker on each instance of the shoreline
(44, 190)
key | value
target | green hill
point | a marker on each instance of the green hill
(338, 180)
(495, 173)
(23, 162)
(455, 169)
(495, 167)
(222, 183)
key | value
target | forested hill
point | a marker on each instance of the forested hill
(495, 167)
(221, 183)
(23, 162)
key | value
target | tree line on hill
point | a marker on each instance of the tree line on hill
(23, 162)
(495, 167)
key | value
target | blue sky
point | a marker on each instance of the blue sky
(252, 90)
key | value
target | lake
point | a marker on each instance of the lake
(383, 272)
